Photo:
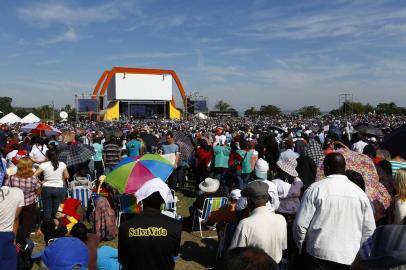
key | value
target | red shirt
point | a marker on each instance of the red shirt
(203, 157)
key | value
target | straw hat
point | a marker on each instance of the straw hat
(209, 185)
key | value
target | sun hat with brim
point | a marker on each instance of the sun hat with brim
(288, 166)
(209, 185)
(66, 253)
(261, 169)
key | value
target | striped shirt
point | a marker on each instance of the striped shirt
(111, 155)
(396, 165)
(27, 185)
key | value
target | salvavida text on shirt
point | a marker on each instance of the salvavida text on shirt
(150, 231)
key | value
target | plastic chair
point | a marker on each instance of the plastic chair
(209, 205)
(127, 204)
(171, 206)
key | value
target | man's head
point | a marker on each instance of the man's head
(247, 258)
(256, 193)
(169, 138)
(153, 201)
(334, 163)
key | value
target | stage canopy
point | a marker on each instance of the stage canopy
(10, 118)
(30, 118)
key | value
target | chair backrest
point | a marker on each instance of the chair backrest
(82, 194)
(212, 204)
(81, 183)
(128, 205)
(171, 205)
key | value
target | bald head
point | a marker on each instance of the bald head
(334, 163)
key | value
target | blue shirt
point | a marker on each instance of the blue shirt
(221, 156)
(107, 258)
(170, 148)
(134, 148)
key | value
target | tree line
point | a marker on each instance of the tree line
(314, 111)
(43, 112)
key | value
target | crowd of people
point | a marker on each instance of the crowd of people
(302, 193)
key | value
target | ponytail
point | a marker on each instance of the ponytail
(52, 157)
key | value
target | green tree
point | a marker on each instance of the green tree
(251, 112)
(309, 111)
(44, 112)
(269, 110)
(387, 108)
(222, 106)
(21, 112)
(5, 105)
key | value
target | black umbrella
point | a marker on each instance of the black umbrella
(369, 130)
(149, 141)
(395, 142)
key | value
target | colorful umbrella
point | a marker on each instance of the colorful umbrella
(132, 172)
(365, 166)
(40, 129)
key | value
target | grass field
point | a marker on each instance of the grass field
(195, 253)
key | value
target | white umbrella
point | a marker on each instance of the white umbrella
(152, 186)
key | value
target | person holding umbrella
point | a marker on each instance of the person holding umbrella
(150, 240)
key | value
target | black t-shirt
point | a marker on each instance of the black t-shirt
(149, 241)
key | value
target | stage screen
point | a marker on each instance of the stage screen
(87, 105)
(200, 106)
(140, 87)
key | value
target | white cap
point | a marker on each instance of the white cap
(235, 194)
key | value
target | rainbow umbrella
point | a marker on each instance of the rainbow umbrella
(132, 172)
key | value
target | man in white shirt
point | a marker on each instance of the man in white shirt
(263, 228)
(334, 219)
(11, 202)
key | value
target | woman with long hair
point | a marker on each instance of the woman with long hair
(25, 180)
(400, 198)
(53, 187)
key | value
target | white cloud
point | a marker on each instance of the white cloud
(70, 35)
(45, 14)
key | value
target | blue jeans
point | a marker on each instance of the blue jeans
(243, 179)
(220, 174)
(51, 197)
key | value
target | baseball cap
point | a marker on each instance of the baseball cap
(66, 253)
(255, 189)
(261, 169)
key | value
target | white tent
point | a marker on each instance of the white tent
(10, 118)
(30, 118)
(201, 116)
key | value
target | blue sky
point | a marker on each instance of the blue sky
(248, 53)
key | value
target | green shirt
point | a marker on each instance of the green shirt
(221, 156)
(246, 162)
(98, 149)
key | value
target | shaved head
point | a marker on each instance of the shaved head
(334, 163)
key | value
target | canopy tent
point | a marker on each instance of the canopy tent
(201, 116)
(10, 118)
(30, 118)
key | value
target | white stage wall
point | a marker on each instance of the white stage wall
(140, 87)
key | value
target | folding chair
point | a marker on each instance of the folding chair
(81, 193)
(127, 204)
(209, 205)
